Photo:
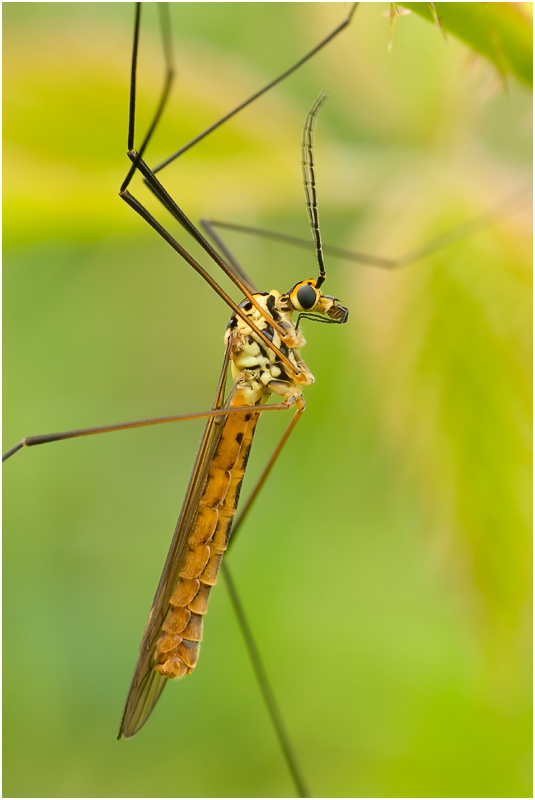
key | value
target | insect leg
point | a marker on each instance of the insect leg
(269, 466)
(231, 261)
(234, 272)
(265, 688)
(169, 203)
(466, 229)
(262, 91)
(30, 441)
(169, 75)
(142, 211)
(254, 654)
(156, 187)
(216, 411)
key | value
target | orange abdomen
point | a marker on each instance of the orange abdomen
(177, 649)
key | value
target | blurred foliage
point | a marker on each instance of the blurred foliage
(390, 587)
(502, 32)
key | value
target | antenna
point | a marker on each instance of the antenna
(309, 181)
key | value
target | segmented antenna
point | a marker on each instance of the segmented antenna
(309, 181)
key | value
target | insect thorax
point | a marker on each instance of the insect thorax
(259, 366)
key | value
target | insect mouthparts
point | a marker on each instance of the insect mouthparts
(338, 313)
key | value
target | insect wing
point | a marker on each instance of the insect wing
(147, 685)
(145, 689)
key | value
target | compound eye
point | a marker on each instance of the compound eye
(306, 296)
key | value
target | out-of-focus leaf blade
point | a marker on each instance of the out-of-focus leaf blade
(502, 32)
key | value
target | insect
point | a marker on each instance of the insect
(84, 564)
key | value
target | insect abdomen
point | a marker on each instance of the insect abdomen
(177, 649)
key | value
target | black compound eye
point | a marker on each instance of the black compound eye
(306, 296)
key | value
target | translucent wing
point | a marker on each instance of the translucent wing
(147, 684)
(146, 688)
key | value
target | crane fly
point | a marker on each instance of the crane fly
(262, 345)
(262, 349)
(216, 422)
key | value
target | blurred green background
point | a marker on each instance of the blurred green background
(390, 589)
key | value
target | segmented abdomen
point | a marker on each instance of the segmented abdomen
(177, 649)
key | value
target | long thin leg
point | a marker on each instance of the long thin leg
(169, 75)
(265, 688)
(254, 653)
(142, 211)
(168, 202)
(463, 231)
(269, 466)
(240, 279)
(262, 91)
(231, 260)
(30, 441)
(236, 275)
(296, 241)
(137, 156)
(215, 411)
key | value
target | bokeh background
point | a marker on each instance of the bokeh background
(387, 569)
